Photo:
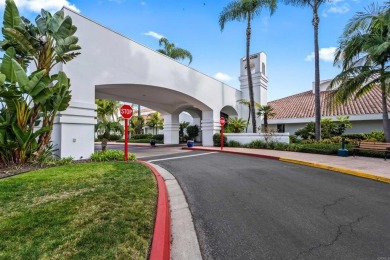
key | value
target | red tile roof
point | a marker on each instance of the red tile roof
(302, 105)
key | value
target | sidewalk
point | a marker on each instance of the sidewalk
(366, 167)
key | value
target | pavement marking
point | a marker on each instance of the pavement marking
(179, 157)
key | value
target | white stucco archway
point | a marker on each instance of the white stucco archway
(114, 67)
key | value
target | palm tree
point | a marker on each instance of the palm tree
(266, 112)
(314, 5)
(237, 125)
(175, 53)
(364, 55)
(246, 10)
(154, 120)
(107, 113)
(247, 103)
(137, 123)
(107, 110)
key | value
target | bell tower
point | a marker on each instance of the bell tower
(258, 65)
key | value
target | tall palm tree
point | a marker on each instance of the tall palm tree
(266, 112)
(364, 56)
(246, 10)
(314, 5)
(175, 53)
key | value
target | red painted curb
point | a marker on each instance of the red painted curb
(161, 244)
(242, 153)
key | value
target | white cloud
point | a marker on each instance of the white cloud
(116, 1)
(326, 54)
(222, 76)
(154, 34)
(37, 5)
(337, 7)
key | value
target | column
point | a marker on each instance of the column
(171, 129)
(209, 126)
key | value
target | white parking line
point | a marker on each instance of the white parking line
(179, 157)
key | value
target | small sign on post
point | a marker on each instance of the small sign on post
(222, 122)
(126, 112)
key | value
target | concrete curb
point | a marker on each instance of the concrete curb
(161, 243)
(315, 165)
(337, 169)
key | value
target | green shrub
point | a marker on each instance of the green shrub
(158, 137)
(294, 139)
(233, 143)
(375, 136)
(54, 161)
(217, 139)
(358, 137)
(115, 137)
(111, 155)
(142, 136)
(192, 131)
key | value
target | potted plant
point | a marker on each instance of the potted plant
(192, 132)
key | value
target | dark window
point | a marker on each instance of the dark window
(263, 68)
(280, 128)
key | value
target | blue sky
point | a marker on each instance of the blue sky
(286, 37)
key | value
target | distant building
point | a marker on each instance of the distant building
(294, 112)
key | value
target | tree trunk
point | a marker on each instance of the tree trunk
(249, 118)
(385, 113)
(317, 99)
(249, 74)
(104, 144)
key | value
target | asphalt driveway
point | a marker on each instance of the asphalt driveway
(252, 208)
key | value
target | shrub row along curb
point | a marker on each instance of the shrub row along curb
(161, 244)
(315, 165)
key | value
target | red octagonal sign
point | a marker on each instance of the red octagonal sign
(222, 121)
(126, 111)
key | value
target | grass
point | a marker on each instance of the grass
(93, 210)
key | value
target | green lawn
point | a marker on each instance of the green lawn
(91, 210)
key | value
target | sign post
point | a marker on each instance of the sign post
(222, 122)
(126, 112)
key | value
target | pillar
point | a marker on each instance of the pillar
(171, 129)
(209, 126)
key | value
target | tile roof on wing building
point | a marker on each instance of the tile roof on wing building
(302, 105)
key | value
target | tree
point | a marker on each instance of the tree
(183, 126)
(266, 112)
(175, 53)
(154, 121)
(29, 101)
(137, 123)
(246, 10)
(247, 103)
(364, 55)
(236, 125)
(314, 5)
(107, 110)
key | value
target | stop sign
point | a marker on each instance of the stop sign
(222, 121)
(126, 111)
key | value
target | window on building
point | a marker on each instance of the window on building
(280, 128)
(263, 68)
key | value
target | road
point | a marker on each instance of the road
(251, 208)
